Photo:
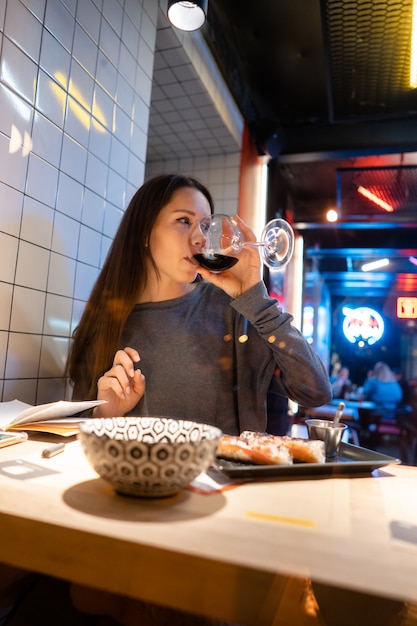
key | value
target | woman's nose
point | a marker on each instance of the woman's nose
(196, 236)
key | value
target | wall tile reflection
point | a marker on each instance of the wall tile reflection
(23, 356)
(51, 99)
(11, 210)
(28, 308)
(37, 223)
(58, 311)
(54, 353)
(66, 235)
(15, 112)
(6, 291)
(18, 71)
(8, 247)
(61, 276)
(23, 29)
(32, 266)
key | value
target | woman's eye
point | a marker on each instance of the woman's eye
(184, 220)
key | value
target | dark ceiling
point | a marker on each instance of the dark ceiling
(323, 86)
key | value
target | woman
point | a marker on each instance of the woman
(155, 339)
(383, 388)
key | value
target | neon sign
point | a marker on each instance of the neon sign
(407, 308)
(363, 326)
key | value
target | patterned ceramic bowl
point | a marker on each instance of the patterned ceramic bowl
(151, 457)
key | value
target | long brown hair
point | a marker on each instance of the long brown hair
(122, 279)
(383, 372)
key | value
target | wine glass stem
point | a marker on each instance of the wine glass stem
(255, 244)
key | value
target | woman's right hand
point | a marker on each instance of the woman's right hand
(122, 386)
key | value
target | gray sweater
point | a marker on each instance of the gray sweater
(209, 358)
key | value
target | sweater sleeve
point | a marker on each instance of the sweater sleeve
(301, 374)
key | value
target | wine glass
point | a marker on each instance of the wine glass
(223, 242)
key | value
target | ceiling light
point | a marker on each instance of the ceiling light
(375, 199)
(187, 15)
(332, 215)
(374, 265)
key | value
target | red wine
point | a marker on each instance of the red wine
(216, 262)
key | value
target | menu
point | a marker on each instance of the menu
(59, 418)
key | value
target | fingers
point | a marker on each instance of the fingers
(117, 403)
(247, 232)
(124, 376)
(137, 383)
(127, 358)
(116, 382)
(136, 378)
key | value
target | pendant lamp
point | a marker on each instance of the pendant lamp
(187, 15)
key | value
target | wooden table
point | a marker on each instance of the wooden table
(350, 412)
(328, 411)
(218, 555)
(366, 405)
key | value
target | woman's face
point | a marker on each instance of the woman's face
(171, 239)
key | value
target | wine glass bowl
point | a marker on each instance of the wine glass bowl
(222, 242)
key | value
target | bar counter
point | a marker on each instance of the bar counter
(218, 555)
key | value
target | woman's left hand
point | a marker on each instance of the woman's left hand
(245, 274)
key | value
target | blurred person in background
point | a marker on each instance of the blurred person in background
(341, 385)
(383, 388)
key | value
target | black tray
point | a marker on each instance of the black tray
(349, 460)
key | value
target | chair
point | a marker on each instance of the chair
(406, 416)
(401, 425)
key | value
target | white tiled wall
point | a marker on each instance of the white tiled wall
(75, 85)
(75, 98)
